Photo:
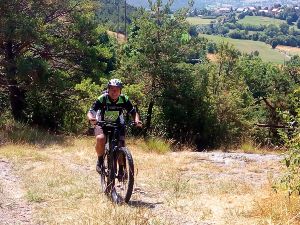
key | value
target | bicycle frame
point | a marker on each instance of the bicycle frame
(118, 185)
(112, 132)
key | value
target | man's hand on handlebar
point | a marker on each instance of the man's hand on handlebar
(93, 121)
(138, 123)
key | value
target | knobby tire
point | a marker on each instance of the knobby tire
(123, 187)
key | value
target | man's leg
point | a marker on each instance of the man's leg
(100, 144)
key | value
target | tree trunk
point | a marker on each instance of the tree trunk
(16, 94)
(149, 117)
(273, 119)
(17, 101)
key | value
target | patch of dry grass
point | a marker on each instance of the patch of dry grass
(13, 132)
(252, 148)
(289, 50)
(278, 209)
(22, 152)
(61, 183)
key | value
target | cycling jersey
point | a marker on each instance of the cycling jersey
(110, 110)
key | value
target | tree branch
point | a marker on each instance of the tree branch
(268, 103)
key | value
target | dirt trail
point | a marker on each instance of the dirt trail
(213, 188)
(13, 207)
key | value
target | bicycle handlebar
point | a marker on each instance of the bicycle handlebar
(114, 124)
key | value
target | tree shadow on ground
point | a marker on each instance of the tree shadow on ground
(143, 204)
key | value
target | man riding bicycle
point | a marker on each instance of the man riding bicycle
(111, 105)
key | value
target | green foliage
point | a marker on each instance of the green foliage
(47, 48)
(136, 93)
(112, 12)
(289, 20)
(274, 43)
(284, 28)
(291, 179)
(211, 47)
(230, 99)
(185, 109)
(86, 93)
(56, 59)
(203, 104)
(156, 57)
(270, 87)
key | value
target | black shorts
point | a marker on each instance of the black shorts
(99, 130)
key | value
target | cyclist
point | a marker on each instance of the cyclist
(111, 105)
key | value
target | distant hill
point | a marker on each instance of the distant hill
(207, 3)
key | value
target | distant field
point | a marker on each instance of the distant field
(265, 51)
(289, 50)
(198, 21)
(260, 20)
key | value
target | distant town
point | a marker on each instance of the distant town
(276, 24)
(263, 10)
(213, 4)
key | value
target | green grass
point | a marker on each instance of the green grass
(247, 46)
(260, 20)
(199, 21)
(158, 145)
(34, 197)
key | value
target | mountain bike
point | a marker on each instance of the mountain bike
(117, 172)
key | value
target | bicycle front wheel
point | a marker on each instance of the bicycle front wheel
(104, 175)
(124, 178)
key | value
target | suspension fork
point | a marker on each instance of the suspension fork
(111, 169)
(119, 160)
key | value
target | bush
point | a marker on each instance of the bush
(211, 47)
(291, 179)
(236, 35)
(20, 133)
(274, 43)
(193, 31)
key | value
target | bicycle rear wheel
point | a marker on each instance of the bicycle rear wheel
(123, 181)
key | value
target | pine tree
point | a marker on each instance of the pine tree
(45, 48)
